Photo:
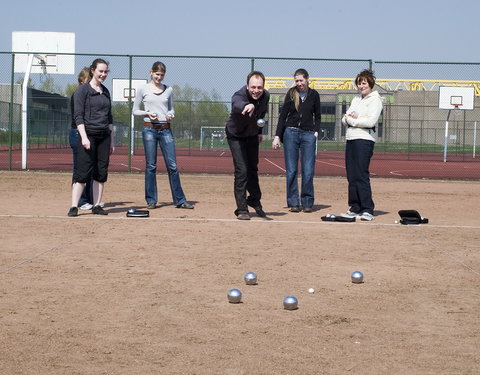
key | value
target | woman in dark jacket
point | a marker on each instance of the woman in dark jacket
(297, 128)
(93, 117)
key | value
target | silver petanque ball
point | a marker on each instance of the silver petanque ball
(261, 122)
(357, 277)
(290, 303)
(234, 296)
(250, 278)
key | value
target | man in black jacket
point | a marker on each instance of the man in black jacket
(249, 104)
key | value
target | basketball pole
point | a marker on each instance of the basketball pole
(25, 106)
(474, 137)
(446, 138)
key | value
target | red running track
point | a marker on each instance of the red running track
(329, 163)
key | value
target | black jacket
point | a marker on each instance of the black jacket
(307, 117)
(240, 125)
(92, 109)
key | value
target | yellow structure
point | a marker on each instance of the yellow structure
(387, 84)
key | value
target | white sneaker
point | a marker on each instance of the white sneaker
(349, 214)
(366, 217)
(86, 206)
(102, 204)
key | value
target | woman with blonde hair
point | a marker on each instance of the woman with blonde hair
(297, 128)
(86, 200)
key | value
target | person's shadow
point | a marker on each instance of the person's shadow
(114, 207)
(271, 214)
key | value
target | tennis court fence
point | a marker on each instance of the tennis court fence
(412, 127)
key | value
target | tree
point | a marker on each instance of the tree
(48, 85)
(70, 89)
(195, 108)
(29, 84)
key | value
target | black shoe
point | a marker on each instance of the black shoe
(295, 209)
(73, 212)
(152, 206)
(260, 211)
(243, 216)
(98, 210)
(307, 209)
(186, 205)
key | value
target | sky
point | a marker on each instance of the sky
(406, 30)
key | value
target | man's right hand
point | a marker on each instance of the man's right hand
(249, 108)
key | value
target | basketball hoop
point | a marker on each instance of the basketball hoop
(454, 98)
(43, 65)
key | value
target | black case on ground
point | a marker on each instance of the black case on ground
(138, 213)
(339, 219)
(411, 217)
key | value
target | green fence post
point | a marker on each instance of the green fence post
(10, 116)
(131, 133)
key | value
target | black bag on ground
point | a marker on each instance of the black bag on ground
(411, 217)
(338, 218)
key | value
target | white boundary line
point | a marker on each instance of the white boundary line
(276, 165)
(335, 165)
(254, 220)
(32, 258)
(452, 257)
(61, 244)
(125, 165)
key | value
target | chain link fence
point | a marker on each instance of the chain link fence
(411, 126)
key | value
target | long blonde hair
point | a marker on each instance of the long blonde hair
(293, 91)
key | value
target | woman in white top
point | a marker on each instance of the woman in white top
(157, 100)
(361, 121)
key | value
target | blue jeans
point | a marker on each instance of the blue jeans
(358, 153)
(301, 144)
(165, 140)
(87, 195)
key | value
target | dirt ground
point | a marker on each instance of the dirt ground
(118, 295)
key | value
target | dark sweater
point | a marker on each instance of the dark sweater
(92, 109)
(307, 117)
(240, 125)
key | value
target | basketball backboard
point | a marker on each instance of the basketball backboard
(48, 49)
(120, 88)
(456, 97)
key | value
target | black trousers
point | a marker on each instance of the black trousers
(93, 163)
(245, 161)
(358, 153)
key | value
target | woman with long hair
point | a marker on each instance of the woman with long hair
(93, 117)
(297, 128)
(158, 113)
(86, 200)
